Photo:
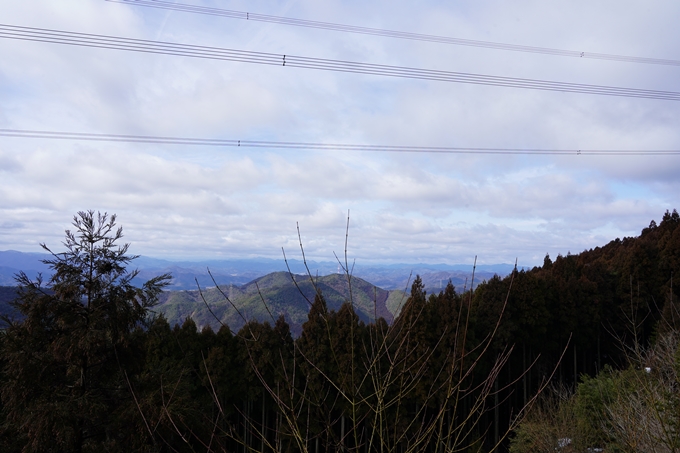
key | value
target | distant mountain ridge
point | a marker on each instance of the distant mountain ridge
(186, 274)
(13, 262)
(377, 290)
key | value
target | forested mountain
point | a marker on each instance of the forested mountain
(587, 308)
(274, 295)
(449, 371)
(620, 302)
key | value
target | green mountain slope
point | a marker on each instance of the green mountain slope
(276, 294)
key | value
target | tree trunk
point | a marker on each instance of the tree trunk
(495, 412)
(524, 370)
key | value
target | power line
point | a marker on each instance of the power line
(80, 136)
(245, 56)
(392, 33)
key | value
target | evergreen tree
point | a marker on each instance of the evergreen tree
(64, 376)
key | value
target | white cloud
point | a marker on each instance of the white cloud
(208, 202)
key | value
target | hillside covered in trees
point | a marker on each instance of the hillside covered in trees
(278, 294)
(87, 368)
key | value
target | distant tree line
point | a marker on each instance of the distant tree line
(87, 368)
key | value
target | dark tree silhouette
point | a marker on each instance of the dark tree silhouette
(63, 361)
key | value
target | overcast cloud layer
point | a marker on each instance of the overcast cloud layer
(201, 202)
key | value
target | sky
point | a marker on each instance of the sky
(211, 202)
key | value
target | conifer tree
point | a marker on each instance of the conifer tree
(65, 360)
